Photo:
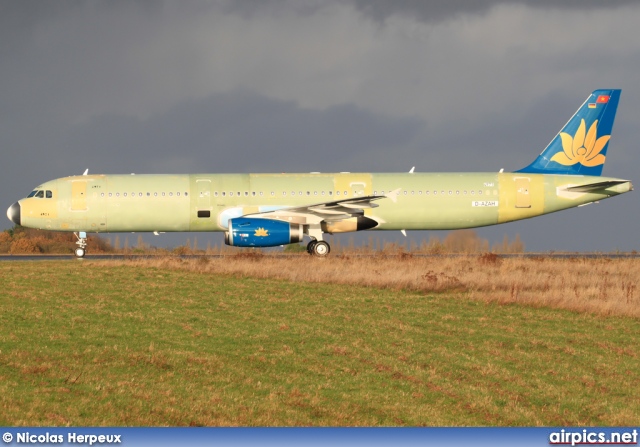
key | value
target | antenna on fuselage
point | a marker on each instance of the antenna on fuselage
(86, 171)
(411, 170)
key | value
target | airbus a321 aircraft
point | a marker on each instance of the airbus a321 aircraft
(266, 210)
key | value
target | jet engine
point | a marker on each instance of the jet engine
(257, 232)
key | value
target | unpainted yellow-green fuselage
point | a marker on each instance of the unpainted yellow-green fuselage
(426, 201)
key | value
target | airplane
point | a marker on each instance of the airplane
(268, 210)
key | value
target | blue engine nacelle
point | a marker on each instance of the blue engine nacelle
(256, 232)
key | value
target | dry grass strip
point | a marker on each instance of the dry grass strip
(602, 286)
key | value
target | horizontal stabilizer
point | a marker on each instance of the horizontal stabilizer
(595, 186)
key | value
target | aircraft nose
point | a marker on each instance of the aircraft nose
(13, 213)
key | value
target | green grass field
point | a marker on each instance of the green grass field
(87, 343)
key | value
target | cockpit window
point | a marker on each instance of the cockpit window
(40, 194)
(49, 194)
(33, 193)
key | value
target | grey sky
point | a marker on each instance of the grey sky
(343, 85)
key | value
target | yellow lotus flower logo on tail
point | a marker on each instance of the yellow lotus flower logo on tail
(583, 147)
(261, 232)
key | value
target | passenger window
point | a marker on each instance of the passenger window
(125, 194)
(178, 194)
(253, 193)
(110, 194)
(50, 194)
(170, 194)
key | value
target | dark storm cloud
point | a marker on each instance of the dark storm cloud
(436, 10)
(238, 132)
(423, 10)
(18, 18)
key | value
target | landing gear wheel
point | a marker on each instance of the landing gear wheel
(310, 246)
(80, 252)
(321, 249)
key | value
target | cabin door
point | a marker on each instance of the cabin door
(78, 195)
(523, 198)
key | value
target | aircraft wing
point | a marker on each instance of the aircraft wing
(332, 211)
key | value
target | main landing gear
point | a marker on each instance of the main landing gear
(318, 248)
(81, 243)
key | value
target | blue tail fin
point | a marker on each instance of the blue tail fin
(580, 148)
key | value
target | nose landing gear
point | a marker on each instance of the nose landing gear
(81, 243)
